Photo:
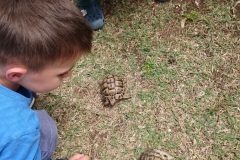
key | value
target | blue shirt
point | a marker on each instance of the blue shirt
(19, 126)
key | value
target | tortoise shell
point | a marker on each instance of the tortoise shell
(113, 89)
(155, 154)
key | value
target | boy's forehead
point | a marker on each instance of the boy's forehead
(69, 60)
(64, 64)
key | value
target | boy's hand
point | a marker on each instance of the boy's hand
(79, 157)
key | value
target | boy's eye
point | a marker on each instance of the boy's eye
(63, 74)
(66, 74)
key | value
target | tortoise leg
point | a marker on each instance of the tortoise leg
(126, 95)
(112, 100)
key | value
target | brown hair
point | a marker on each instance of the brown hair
(38, 33)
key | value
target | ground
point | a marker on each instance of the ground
(181, 61)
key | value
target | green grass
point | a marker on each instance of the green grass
(184, 84)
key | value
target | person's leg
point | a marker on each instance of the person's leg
(49, 134)
(92, 12)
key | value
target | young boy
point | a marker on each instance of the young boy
(40, 42)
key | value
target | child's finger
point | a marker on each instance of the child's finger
(79, 157)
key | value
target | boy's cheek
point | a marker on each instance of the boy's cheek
(43, 87)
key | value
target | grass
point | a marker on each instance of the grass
(184, 84)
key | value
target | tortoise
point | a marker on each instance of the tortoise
(155, 154)
(113, 89)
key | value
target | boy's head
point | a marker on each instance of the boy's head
(37, 34)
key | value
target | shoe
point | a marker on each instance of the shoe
(92, 12)
(161, 1)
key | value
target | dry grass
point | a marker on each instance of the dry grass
(184, 84)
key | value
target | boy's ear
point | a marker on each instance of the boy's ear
(15, 74)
